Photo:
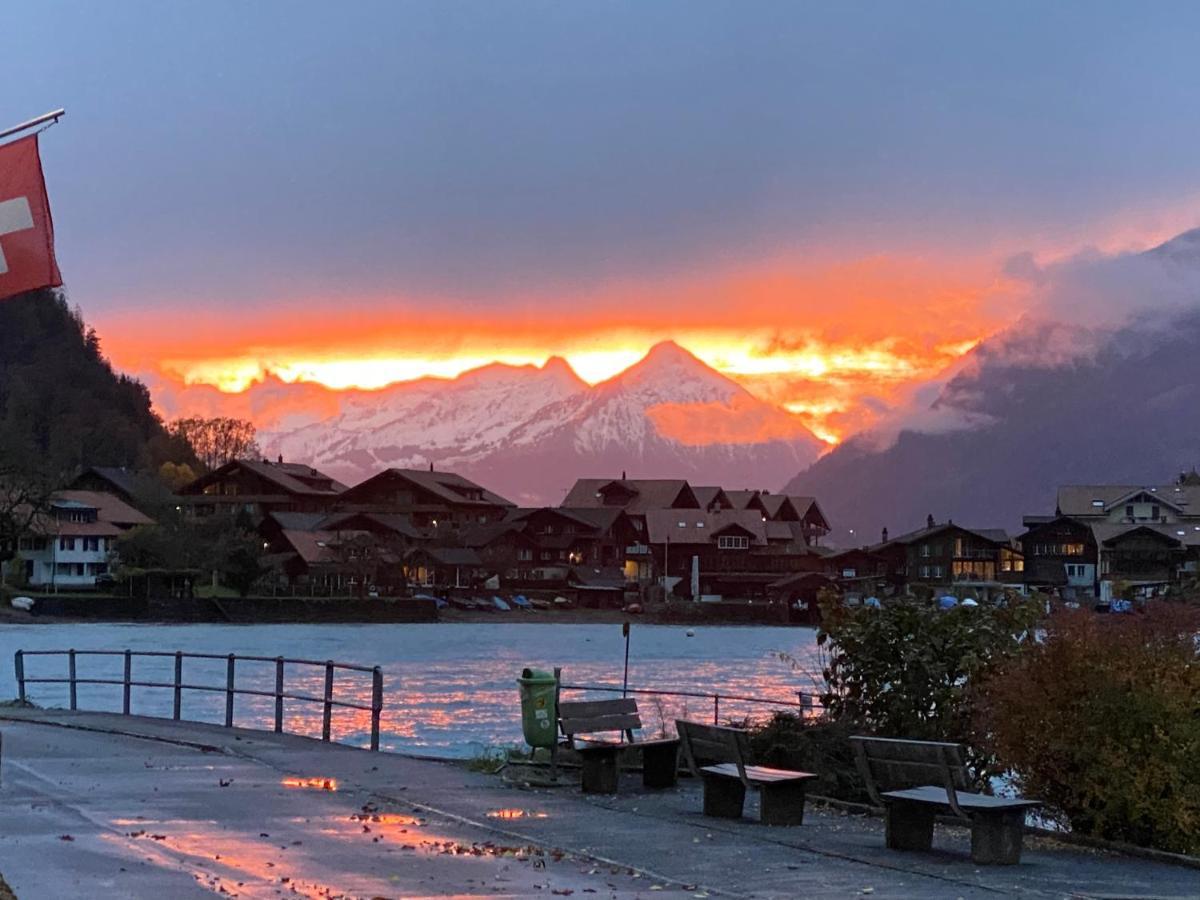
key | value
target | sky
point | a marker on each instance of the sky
(820, 200)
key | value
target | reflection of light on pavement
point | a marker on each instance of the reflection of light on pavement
(320, 784)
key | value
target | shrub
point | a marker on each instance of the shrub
(905, 670)
(821, 745)
(1101, 720)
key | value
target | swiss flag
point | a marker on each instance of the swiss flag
(26, 231)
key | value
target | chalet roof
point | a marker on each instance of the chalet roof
(449, 487)
(126, 481)
(290, 478)
(647, 493)
(394, 522)
(314, 547)
(698, 526)
(297, 521)
(994, 535)
(482, 535)
(1084, 500)
(1187, 534)
(799, 578)
(742, 499)
(449, 556)
(773, 503)
(705, 496)
(109, 507)
(784, 531)
(600, 518)
(596, 578)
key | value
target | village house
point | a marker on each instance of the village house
(72, 544)
(1145, 536)
(140, 490)
(946, 556)
(439, 501)
(257, 487)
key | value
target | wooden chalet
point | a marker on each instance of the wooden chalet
(946, 555)
(430, 499)
(258, 487)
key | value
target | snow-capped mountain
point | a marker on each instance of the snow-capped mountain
(529, 432)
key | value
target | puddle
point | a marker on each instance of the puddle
(317, 784)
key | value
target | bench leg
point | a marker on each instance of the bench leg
(600, 772)
(660, 765)
(996, 837)
(909, 826)
(782, 803)
(723, 797)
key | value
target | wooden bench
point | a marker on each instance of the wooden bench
(660, 758)
(721, 757)
(914, 780)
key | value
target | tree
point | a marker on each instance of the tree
(24, 497)
(217, 441)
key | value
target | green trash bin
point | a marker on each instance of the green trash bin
(539, 712)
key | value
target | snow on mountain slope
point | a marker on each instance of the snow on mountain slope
(528, 432)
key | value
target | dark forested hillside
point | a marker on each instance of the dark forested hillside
(62, 407)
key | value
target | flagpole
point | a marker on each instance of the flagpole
(50, 117)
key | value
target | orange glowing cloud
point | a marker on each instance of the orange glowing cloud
(814, 340)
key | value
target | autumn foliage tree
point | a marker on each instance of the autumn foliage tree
(218, 440)
(1100, 719)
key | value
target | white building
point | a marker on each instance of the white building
(73, 542)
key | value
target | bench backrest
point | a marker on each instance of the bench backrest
(886, 764)
(705, 745)
(592, 716)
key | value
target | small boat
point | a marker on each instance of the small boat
(539, 603)
(438, 601)
(465, 603)
(501, 605)
(521, 602)
(562, 603)
(634, 609)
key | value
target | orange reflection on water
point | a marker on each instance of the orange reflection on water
(321, 784)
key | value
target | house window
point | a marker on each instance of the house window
(733, 542)
(91, 544)
(1154, 513)
(925, 551)
(66, 543)
(1129, 511)
(525, 555)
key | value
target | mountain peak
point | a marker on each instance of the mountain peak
(559, 367)
(669, 350)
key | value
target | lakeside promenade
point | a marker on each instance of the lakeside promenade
(96, 804)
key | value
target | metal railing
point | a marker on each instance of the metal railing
(804, 703)
(230, 688)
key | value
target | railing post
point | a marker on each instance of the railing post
(19, 665)
(376, 704)
(71, 676)
(278, 694)
(229, 680)
(178, 706)
(327, 713)
(716, 709)
(125, 687)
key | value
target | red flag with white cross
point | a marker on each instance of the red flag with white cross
(26, 230)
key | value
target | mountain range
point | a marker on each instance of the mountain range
(528, 432)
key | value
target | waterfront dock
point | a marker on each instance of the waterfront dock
(97, 804)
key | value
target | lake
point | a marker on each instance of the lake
(449, 689)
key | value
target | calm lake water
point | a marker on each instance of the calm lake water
(449, 690)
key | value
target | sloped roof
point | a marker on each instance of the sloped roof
(297, 521)
(395, 522)
(127, 481)
(700, 526)
(709, 493)
(447, 486)
(484, 534)
(1084, 500)
(742, 499)
(449, 556)
(314, 547)
(109, 507)
(995, 535)
(773, 503)
(596, 578)
(1186, 534)
(290, 478)
(648, 493)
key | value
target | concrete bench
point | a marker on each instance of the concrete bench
(912, 781)
(721, 757)
(601, 759)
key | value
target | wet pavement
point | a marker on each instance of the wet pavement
(180, 810)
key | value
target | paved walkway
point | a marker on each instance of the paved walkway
(103, 805)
